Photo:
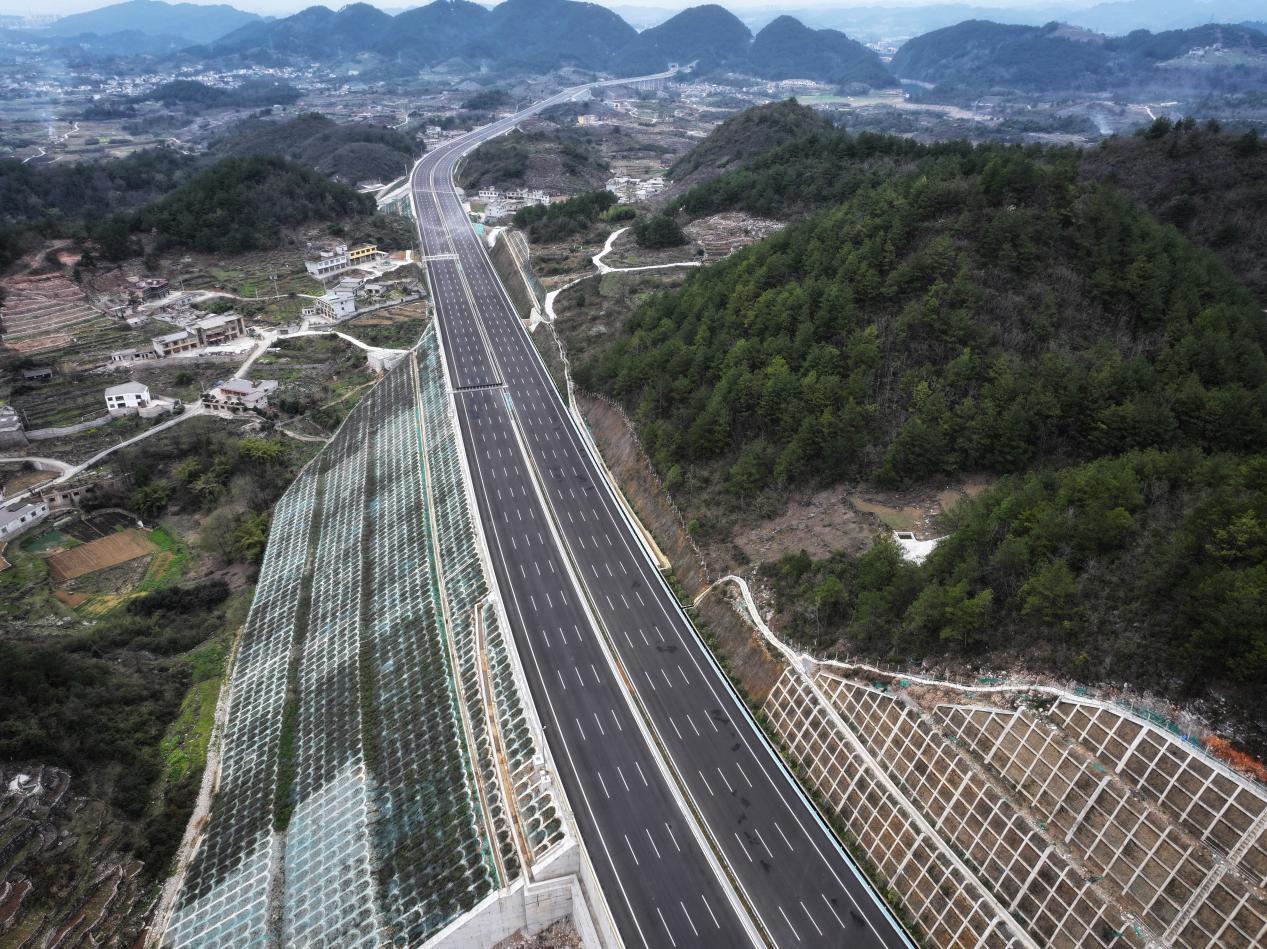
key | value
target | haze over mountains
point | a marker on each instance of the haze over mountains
(541, 35)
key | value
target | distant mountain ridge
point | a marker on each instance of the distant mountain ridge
(544, 34)
(195, 23)
(982, 55)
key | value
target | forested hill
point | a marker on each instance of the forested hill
(744, 136)
(957, 309)
(1210, 184)
(984, 311)
(350, 152)
(241, 204)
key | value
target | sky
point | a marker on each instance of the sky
(285, 7)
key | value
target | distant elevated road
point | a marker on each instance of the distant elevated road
(616, 670)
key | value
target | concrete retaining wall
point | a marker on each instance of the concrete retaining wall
(558, 892)
(39, 433)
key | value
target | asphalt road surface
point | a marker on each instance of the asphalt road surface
(595, 624)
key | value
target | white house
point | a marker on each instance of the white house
(127, 398)
(21, 515)
(332, 306)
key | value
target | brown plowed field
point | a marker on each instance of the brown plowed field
(100, 554)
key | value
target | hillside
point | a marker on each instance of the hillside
(787, 49)
(348, 152)
(193, 22)
(314, 32)
(954, 310)
(546, 33)
(978, 55)
(38, 202)
(743, 136)
(709, 35)
(1211, 185)
(563, 161)
(433, 33)
(251, 94)
(241, 204)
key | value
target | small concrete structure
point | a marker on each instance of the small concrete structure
(381, 360)
(131, 355)
(37, 374)
(913, 549)
(127, 398)
(12, 431)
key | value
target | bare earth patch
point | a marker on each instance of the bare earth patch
(849, 517)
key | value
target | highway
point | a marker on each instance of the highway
(619, 677)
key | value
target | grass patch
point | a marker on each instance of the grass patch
(168, 565)
(184, 747)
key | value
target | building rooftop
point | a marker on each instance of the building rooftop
(172, 337)
(128, 388)
(215, 322)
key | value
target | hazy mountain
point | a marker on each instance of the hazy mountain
(435, 32)
(316, 31)
(787, 49)
(194, 22)
(980, 55)
(538, 34)
(898, 22)
(709, 34)
(547, 33)
(121, 43)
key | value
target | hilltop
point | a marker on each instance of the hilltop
(710, 36)
(348, 152)
(979, 55)
(787, 49)
(192, 22)
(536, 35)
(744, 136)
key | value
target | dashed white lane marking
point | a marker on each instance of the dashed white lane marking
(710, 910)
(789, 924)
(688, 918)
(784, 836)
(811, 918)
(763, 843)
(661, 915)
(727, 783)
(832, 908)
